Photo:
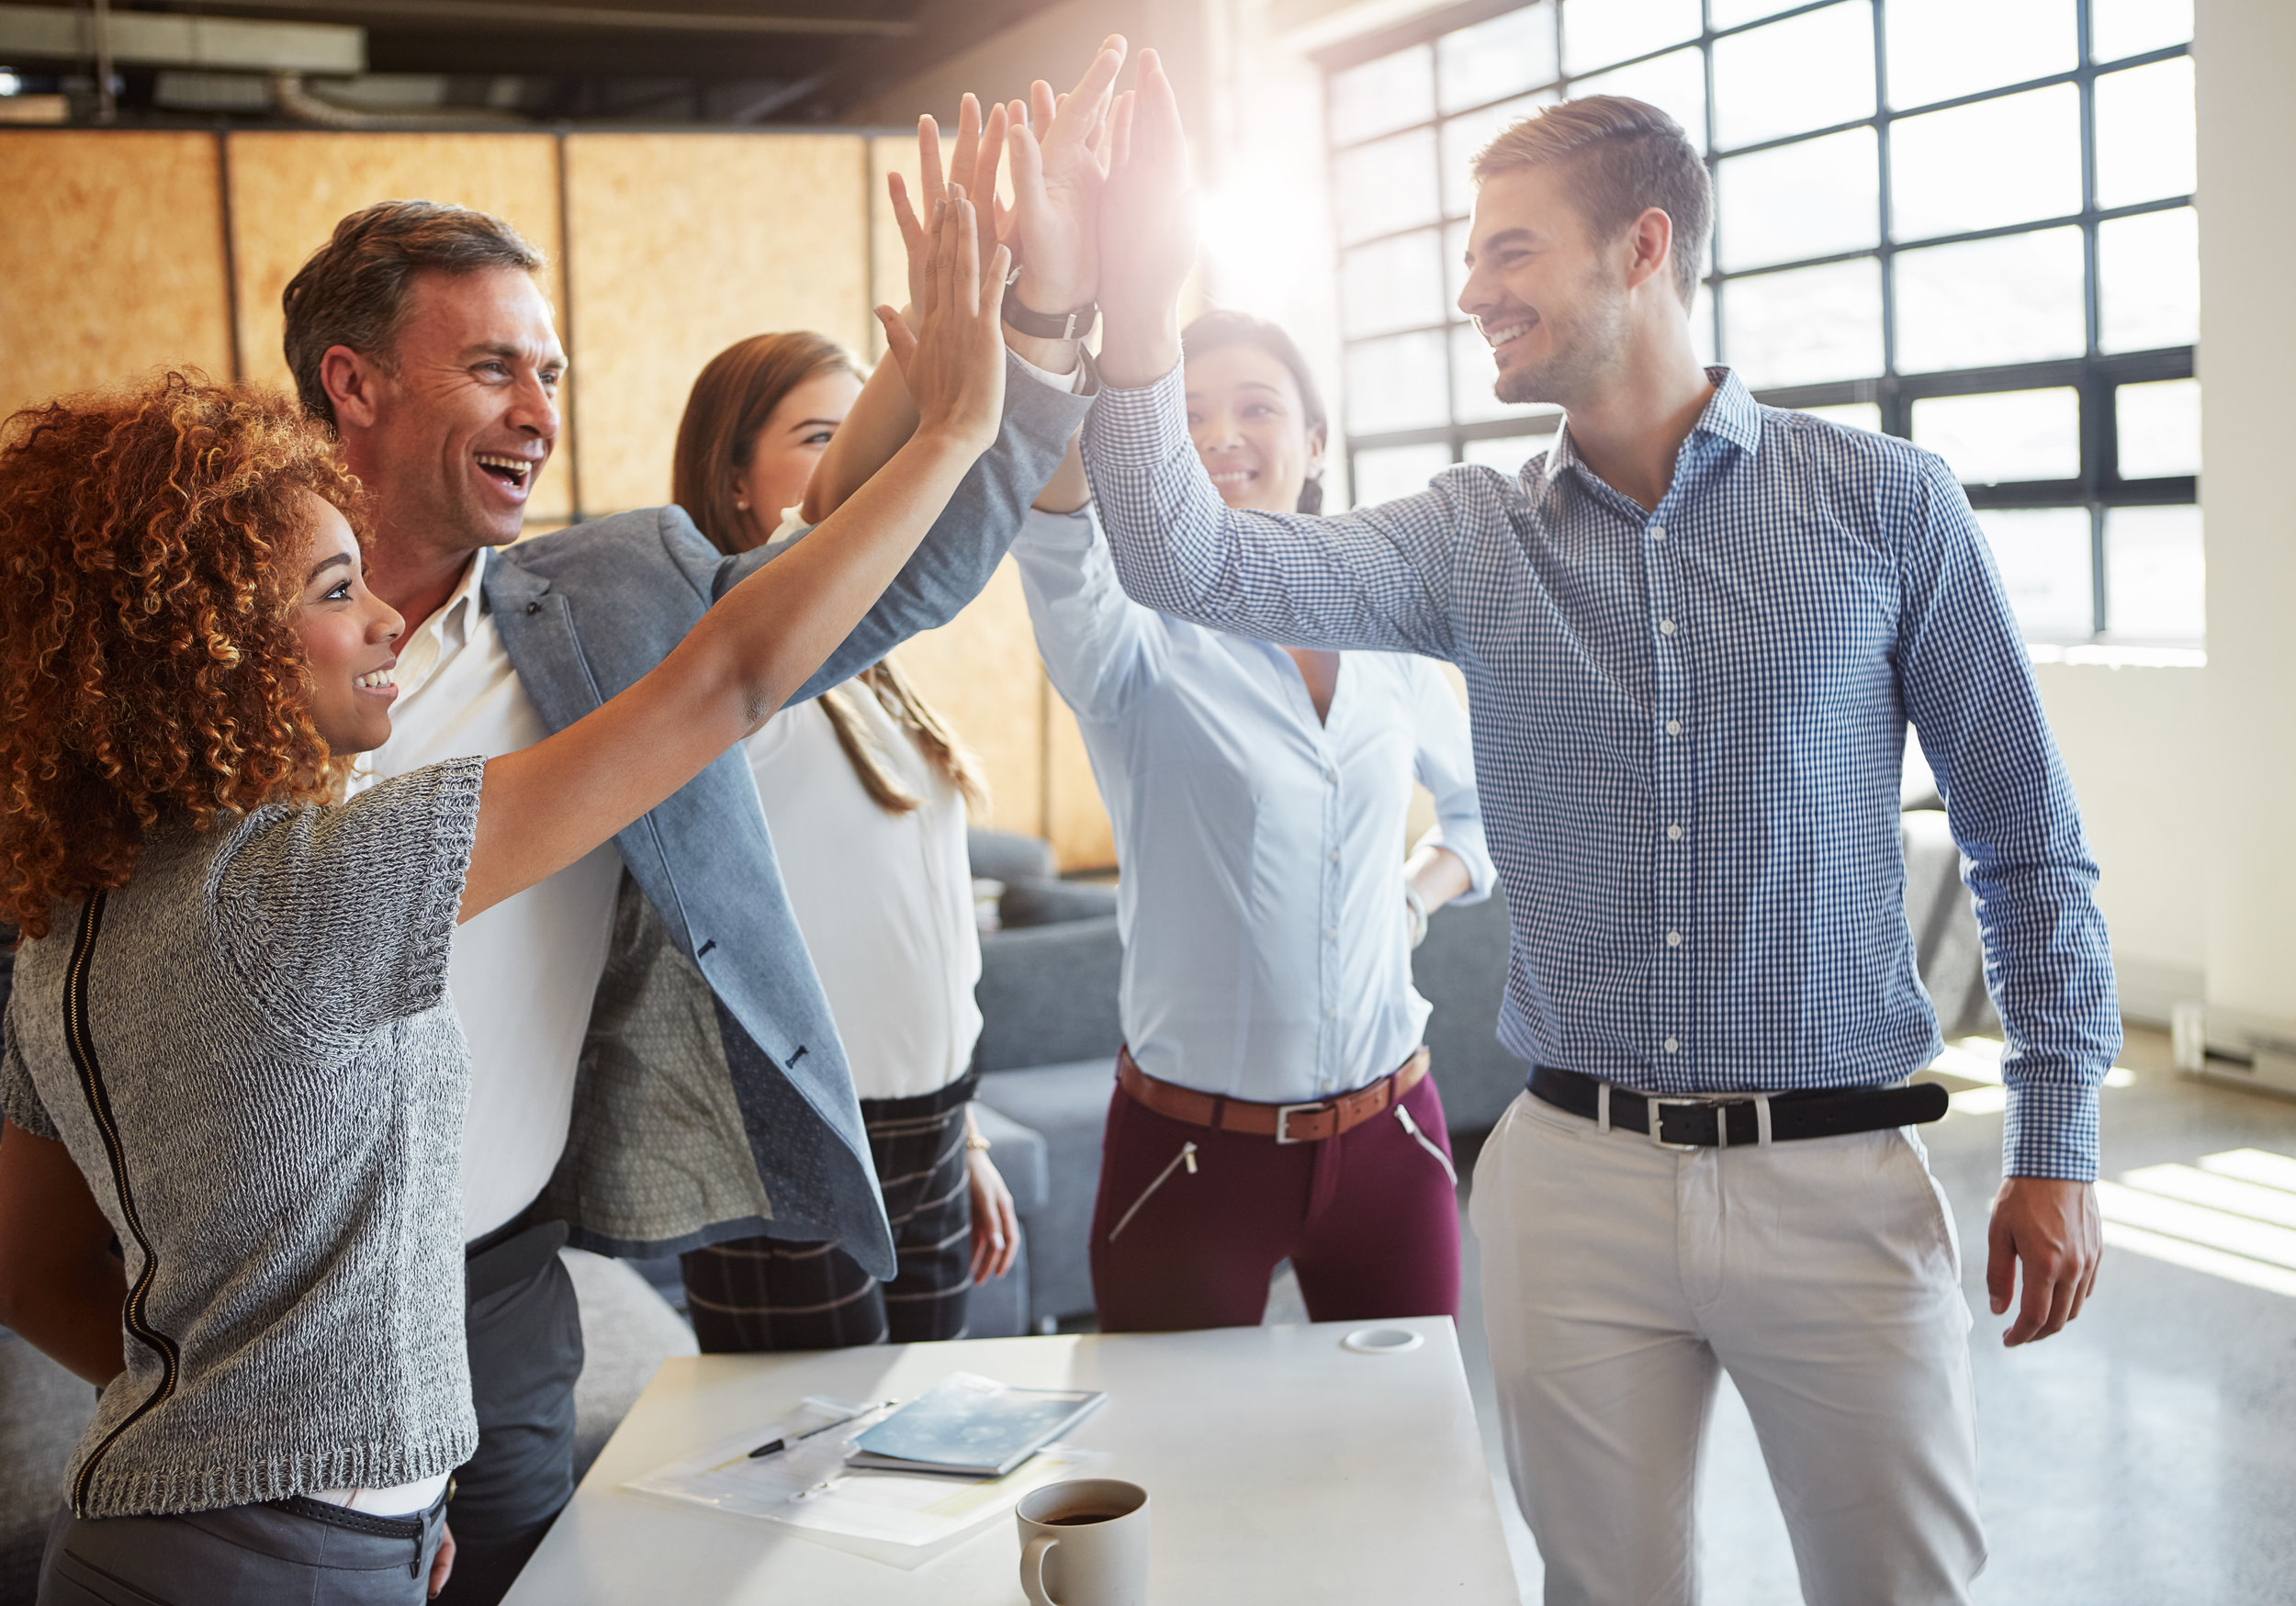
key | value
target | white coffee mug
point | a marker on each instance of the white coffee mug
(1085, 1543)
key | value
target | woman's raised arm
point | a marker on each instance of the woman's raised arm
(547, 805)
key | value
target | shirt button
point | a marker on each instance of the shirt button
(1666, 627)
(1673, 833)
(1330, 1015)
(1673, 939)
(1673, 727)
(1335, 856)
(1658, 532)
(1671, 1045)
(1332, 776)
(1330, 933)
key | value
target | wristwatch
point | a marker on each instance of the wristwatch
(1074, 325)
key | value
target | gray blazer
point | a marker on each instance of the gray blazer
(714, 1100)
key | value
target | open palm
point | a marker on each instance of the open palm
(1056, 179)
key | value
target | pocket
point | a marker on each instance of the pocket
(1577, 1128)
(1186, 1157)
(70, 1581)
(1938, 1210)
(1429, 1144)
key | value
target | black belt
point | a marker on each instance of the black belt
(1728, 1120)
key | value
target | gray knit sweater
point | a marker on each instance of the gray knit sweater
(249, 1053)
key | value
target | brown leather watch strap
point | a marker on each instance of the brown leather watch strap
(1287, 1123)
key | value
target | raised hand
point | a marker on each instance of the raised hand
(1059, 161)
(1147, 232)
(954, 363)
(974, 162)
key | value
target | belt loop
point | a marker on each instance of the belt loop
(1602, 1108)
(1218, 1108)
(1761, 1116)
(1721, 1125)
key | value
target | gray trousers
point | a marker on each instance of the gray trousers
(525, 1335)
(298, 1550)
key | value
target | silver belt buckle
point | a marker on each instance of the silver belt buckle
(1652, 1104)
(1284, 1112)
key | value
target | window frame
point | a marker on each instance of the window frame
(2095, 375)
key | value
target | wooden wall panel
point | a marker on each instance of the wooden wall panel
(679, 245)
(888, 260)
(111, 261)
(981, 671)
(289, 190)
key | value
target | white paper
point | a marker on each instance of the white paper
(900, 1518)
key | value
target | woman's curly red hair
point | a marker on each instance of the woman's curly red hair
(151, 545)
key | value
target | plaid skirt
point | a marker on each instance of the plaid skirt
(780, 1294)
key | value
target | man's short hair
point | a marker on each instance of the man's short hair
(353, 289)
(1619, 157)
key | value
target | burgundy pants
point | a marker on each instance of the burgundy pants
(1369, 1219)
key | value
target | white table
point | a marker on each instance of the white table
(1282, 1468)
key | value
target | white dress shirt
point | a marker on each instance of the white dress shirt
(1267, 946)
(885, 901)
(525, 973)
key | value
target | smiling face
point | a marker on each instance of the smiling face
(784, 450)
(458, 423)
(1552, 299)
(349, 637)
(1250, 427)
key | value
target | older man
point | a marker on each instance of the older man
(654, 1063)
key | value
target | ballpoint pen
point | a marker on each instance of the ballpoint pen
(788, 1439)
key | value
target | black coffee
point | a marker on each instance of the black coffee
(1078, 1519)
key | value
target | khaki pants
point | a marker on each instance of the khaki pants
(1824, 1274)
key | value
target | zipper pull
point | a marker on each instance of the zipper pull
(1188, 1157)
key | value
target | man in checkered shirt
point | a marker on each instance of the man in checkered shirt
(1693, 633)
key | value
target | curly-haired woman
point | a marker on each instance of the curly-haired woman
(230, 1046)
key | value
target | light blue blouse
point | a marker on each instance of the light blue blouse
(1267, 944)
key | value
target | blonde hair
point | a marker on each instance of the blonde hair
(1620, 157)
(733, 396)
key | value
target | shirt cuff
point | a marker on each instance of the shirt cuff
(1139, 427)
(1054, 531)
(1069, 384)
(2050, 1130)
(1480, 873)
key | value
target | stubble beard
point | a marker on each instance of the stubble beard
(1585, 349)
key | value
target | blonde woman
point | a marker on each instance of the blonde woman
(865, 792)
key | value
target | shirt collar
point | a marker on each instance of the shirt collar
(1732, 417)
(446, 631)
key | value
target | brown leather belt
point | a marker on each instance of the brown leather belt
(1287, 1123)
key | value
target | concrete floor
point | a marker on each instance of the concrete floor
(2145, 1455)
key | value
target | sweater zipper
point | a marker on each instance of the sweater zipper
(82, 1044)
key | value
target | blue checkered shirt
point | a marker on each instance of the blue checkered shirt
(1689, 731)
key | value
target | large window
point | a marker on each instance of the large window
(1964, 221)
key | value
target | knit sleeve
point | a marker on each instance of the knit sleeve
(19, 1100)
(338, 920)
